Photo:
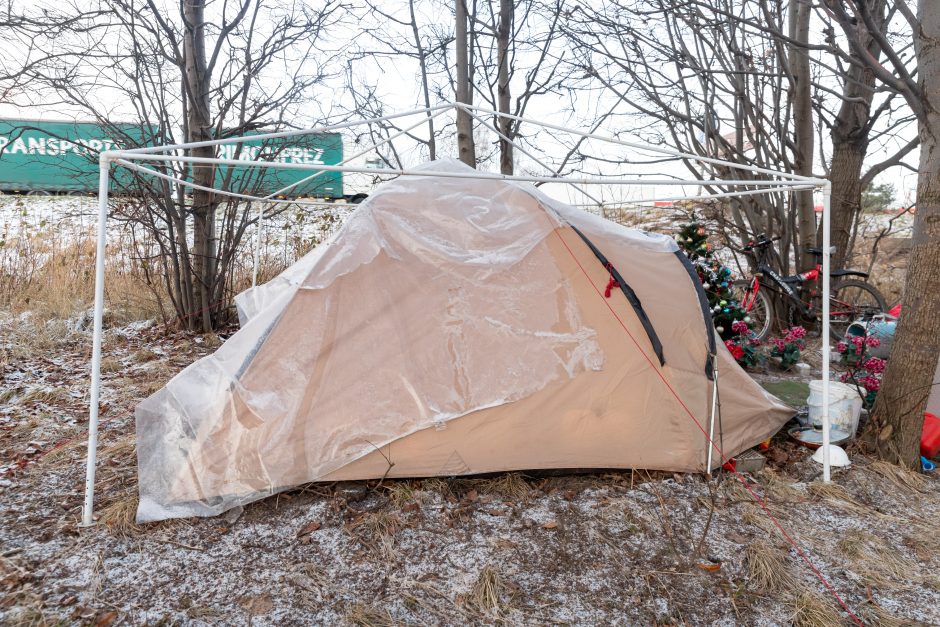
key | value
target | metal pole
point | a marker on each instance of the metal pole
(191, 185)
(648, 147)
(297, 133)
(711, 419)
(826, 264)
(104, 167)
(246, 163)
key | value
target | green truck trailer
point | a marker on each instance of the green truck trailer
(56, 157)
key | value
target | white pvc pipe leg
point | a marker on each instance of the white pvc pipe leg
(88, 510)
(826, 266)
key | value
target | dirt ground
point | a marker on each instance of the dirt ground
(599, 548)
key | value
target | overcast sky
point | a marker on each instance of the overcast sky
(395, 79)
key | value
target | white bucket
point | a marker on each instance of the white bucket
(845, 406)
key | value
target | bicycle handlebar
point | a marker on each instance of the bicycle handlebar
(760, 241)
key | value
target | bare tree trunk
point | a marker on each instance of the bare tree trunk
(425, 88)
(803, 122)
(899, 409)
(199, 124)
(465, 147)
(848, 157)
(850, 139)
(503, 34)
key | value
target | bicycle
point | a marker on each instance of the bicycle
(849, 299)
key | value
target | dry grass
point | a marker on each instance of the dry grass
(44, 396)
(756, 516)
(401, 493)
(486, 596)
(813, 610)
(876, 562)
(119, 516)
(878, 616)
(903, 478)
(376, 530)
(511, 485)
(440, 486)
(779, 487)
(839, 496)
(767, 568)
(363, 615)
(52, 276)
(111, 364)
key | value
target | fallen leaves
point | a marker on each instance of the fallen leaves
(309, 528)
(710, 567)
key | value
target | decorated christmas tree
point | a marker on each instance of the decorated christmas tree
(715, 277)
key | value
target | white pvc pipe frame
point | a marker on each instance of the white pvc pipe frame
(791, 182)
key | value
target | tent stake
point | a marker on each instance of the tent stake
(88, 510)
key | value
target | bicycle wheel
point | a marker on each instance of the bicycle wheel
(761, 311)
(851, 300)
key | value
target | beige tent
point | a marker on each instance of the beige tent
(452, 327)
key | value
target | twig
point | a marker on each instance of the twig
(708, 523)
(185, 546)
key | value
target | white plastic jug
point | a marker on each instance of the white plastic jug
(845, 406)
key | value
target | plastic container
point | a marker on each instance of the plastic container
(881, 327)
(930, 437)
(845, 406)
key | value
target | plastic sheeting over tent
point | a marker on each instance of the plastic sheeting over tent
(452, 326)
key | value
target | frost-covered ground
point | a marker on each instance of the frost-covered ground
(620, 547)
(68, 220)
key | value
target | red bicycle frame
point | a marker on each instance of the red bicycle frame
(750, 295)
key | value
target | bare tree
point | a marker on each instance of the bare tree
(194, 76)
(897, 418)
(859, 119)
(396, 35)
(520, 49)
(798, 27)
(466, 149)
(716, 87)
